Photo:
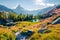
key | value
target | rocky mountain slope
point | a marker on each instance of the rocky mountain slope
(55, 14)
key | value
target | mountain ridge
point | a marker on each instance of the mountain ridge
(4, 8)
(19, 10)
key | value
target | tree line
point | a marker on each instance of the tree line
(15, 17)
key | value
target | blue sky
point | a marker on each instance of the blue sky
(29, 4)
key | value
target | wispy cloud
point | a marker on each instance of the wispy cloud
(42, 3)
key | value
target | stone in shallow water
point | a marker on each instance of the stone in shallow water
(44, 31)
(24, 35)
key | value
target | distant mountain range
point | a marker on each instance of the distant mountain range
(19, 10)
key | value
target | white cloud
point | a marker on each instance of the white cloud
(42, 3)
(48, 4)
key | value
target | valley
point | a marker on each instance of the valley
(15, 26)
